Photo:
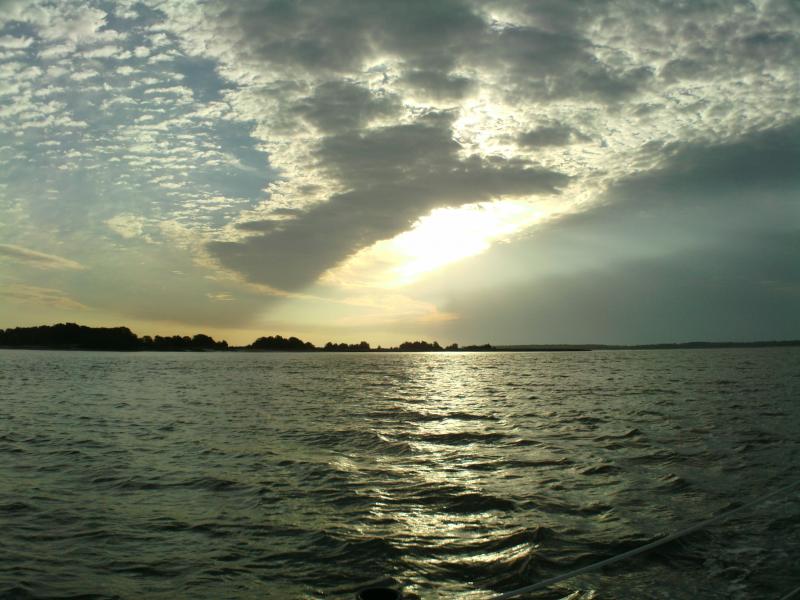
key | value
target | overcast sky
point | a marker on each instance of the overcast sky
(468, 171)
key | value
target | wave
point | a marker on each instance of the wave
(305, 480)
(460, 438)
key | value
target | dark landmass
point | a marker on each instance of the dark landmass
(176, 342)
(279, 343)
(70, 336)
(344, 347)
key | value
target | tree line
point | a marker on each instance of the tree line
(81, 337)
(71, 336)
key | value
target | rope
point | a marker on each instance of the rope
(791, 594)
(647, 547)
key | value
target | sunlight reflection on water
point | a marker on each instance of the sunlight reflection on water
(281, 476)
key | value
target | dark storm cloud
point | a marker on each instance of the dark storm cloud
(553, 65)
(394, 175)
(427, 35)
(554, 134)
(336, 36)
(723, 51)
(556, 15)
(712, 42)
(706, 247)
(770, 47)
(438, 85)
(682, 68)
(702, 195)
(760, 161)
(551, 59)
(552, 56)
(277, 218)
(341, 105)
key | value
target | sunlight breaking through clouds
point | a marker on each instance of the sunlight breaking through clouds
(443, 237)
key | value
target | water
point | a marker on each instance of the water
(169, 475)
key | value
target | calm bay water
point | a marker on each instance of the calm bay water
(170, 475)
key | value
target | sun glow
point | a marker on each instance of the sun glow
(444, 236)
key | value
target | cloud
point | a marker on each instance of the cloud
(438, 85)
(39, 260)
(9, 41)
(127, 226)
(76, 23)
(341, 105)
(554, 134)
(337, 36)
(552, 65)
(760, 160)
(40, 295)
(106, 51)
(393, 175)
(12, 10)
(427, 42)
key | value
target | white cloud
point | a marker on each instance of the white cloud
(56, 71)
(40, 295)
(127, 226)
(84, 75)
(8, 41)
(56, 51)
(78, 24)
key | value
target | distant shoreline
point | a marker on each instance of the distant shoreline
(70, 336)
(591, 348)
(669, 346)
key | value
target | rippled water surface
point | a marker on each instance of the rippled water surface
(183, 475)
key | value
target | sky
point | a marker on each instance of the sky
(509, 171)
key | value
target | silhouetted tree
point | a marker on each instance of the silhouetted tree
(473, 348)
(71, 336)
(343, 347)
(279, 343)
(420, 346)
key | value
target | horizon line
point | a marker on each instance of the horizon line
(434, 345)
